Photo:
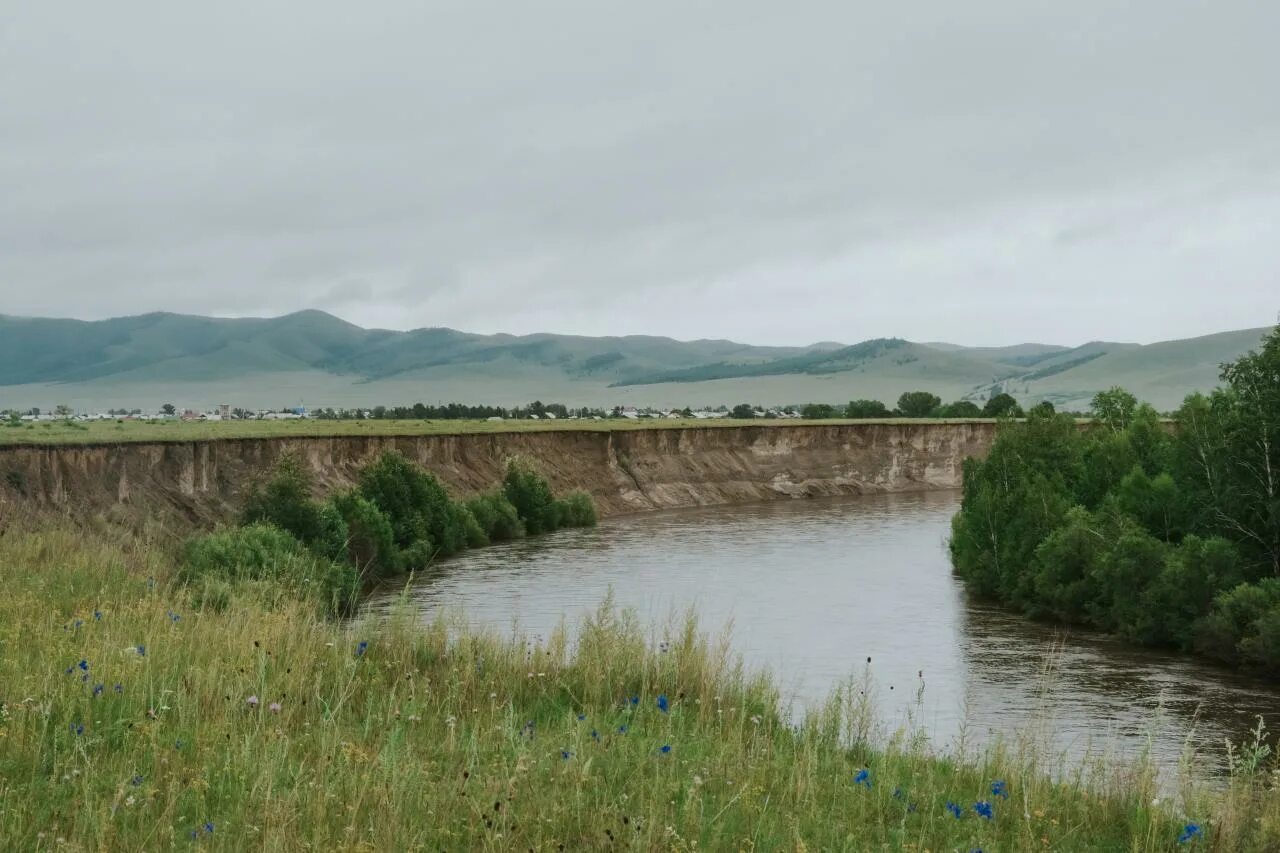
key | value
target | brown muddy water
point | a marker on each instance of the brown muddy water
(812, 589)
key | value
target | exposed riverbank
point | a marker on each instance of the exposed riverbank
(631, 470)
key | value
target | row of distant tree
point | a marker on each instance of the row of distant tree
(912, 404)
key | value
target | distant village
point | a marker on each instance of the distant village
(535, 411)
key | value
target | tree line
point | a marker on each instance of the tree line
(397, 518)
(1164, 532)
(912, 404)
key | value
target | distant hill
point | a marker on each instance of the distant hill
(316, 359)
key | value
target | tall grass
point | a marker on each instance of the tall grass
(391, 735)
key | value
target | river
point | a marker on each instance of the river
(813, 589)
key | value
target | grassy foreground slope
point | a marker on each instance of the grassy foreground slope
(134, 719)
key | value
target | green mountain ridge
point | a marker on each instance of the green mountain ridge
(315, 357)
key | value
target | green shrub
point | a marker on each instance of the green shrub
(261, 552)
(370, 546)
(415, 502)
(476, 537)
(285, 502)
(1243, 625)
(531, 496)
(577, 510)
(496, 516)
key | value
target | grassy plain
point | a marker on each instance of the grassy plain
(136, 717)
(110, 432)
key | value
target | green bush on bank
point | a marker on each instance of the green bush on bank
(261, 552)
(1165, 537)
(398, 519)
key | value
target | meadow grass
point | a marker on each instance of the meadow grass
(113, 432)
(134, 719)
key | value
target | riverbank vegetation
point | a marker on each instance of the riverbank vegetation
(137, 712)
(397, 519)
(1165, 534)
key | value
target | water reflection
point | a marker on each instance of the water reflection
(815, 588)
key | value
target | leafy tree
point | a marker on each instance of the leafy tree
(370, 545)
(743, 411)
(1114, 408)
(1002, 406)
(285, 501)
(960, 409)
(497, 517)
(169, 409)
(1044, 407)
(416, 504)
(918, 404)
(531, 496)
(819, 411)
(864, 409)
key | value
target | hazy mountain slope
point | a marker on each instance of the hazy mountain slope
(883, 356)
(315, 359)
(1018, 354)
(173, 346)
(1162, 373)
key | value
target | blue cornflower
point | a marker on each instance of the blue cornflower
(97, 689)
(77, 729)
(135, 781)
(1000, 788)
(622, 730)
(173, 617)
(863, 777)
(177, 744)
(208, 827)
(666, 747)
(566, 754)
(955, 810)
(581, 717)
(898, 794)
(119, 688)
(97, 616)
(983, 808)
(361, 648)
(84, 665)
(142, 650)
(76, 627)
(1189, 832)
(635, 700)
(663, 705)
(70, 670)
(595, 735)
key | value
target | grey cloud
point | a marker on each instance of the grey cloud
(984, 172)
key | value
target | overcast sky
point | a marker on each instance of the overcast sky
(989, 171)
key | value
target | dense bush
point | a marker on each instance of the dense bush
(1164, 536)
(400, 518)
(864, 409)
(497, 517)
(370, 544)
(416, 503)
(918, 404)
(261, 552)
(285, 501)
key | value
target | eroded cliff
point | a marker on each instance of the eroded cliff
(625, 471)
